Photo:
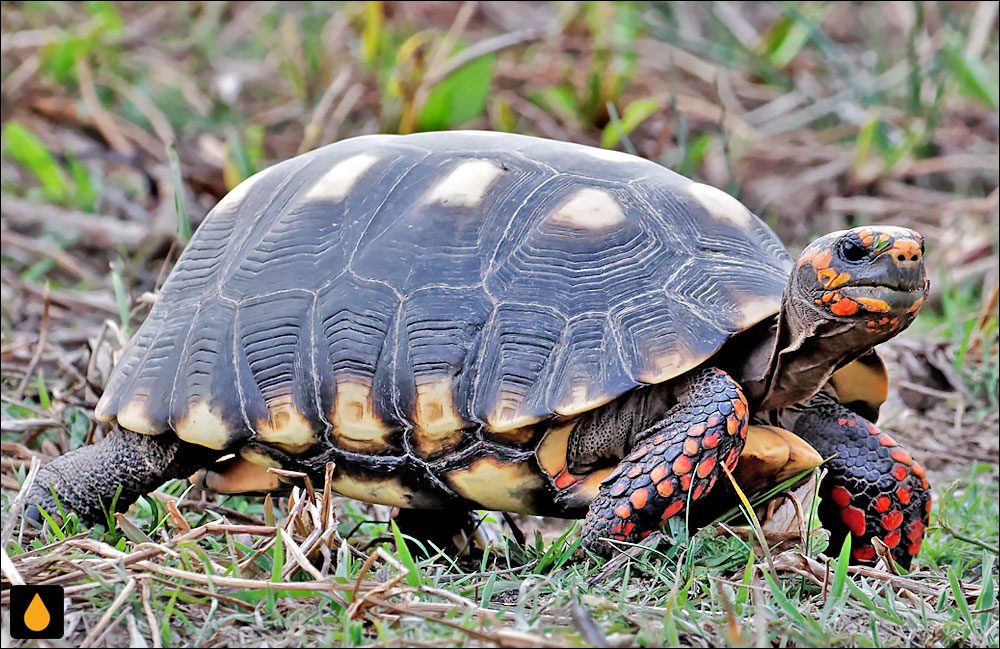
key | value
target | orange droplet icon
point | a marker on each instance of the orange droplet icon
(36, 617)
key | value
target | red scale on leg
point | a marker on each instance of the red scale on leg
(705, 466)
(696, 430)
(885, 440)
(659, 472)
(700, 489)
(841, 496)
(627, 530)
(854, 518)
(710, 441)
(916, 531)
(899, 472)
(618, 489)
(635, 472)
(691, 446)
(864, 554)
(623, 511)
(732, 425)
(734, 455)
(665, 488)
(914, 548)
(918, 470)
(670, 511)
(903, 494)
(639, 498)
(682, 465)
(882, 503)
(892, 539)
(902, 456)
(686, 482)
(892, 520)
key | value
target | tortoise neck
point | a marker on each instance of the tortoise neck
(808, 349)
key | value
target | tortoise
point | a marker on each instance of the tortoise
(466, 320)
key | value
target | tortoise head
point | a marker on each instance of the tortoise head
(871, 278)
(849, 291)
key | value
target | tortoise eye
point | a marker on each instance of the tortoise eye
(853, 251)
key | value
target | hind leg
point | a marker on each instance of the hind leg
(86, 479)
(675, 461)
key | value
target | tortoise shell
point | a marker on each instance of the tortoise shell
(438, 301)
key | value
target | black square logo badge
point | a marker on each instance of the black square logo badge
(36, 612)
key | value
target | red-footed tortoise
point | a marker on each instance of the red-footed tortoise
(482, 320)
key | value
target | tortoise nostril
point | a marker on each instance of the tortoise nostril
(901, 257)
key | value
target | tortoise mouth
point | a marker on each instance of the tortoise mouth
(900, 297)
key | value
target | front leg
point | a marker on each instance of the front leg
(874, 488)
(675, 461)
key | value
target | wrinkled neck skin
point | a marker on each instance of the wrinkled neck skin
(811, 344)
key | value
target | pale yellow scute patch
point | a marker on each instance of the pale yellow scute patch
(610, 155)
(436, 415)
(336, 184)
(237, 193)
(721, 205)
(770, 455)
(509, 418)
(353, 415)
(133, 416)
(860, 382)
(259, 458)
(754, 308)
(383, 491)
(586, 490)
(201, 425)
(581, 400)
(101, 409)
(494, 484)
(241, 476)
(285, 425)
(590, 209)
(551, 451)
(466, 185)
(663, 367)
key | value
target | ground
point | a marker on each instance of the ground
(123, 123)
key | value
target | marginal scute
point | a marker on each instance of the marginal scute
(101, 413)
(581, 400)
(721, 205)
(496, 484)
(353, 416)
(754, 308)
(201, 425)
(551, 451)
(384, 491)
(590, 209)
(258, 457)
(663, 367)
(438, 425)
(285, 425)
(337, 183)
(770, 455)
(133, 416)
(610, 155)
(240, 477)
(466, 185)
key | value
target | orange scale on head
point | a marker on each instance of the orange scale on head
(845, 307)
(822, 259)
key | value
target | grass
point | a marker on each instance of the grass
(124, 123)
